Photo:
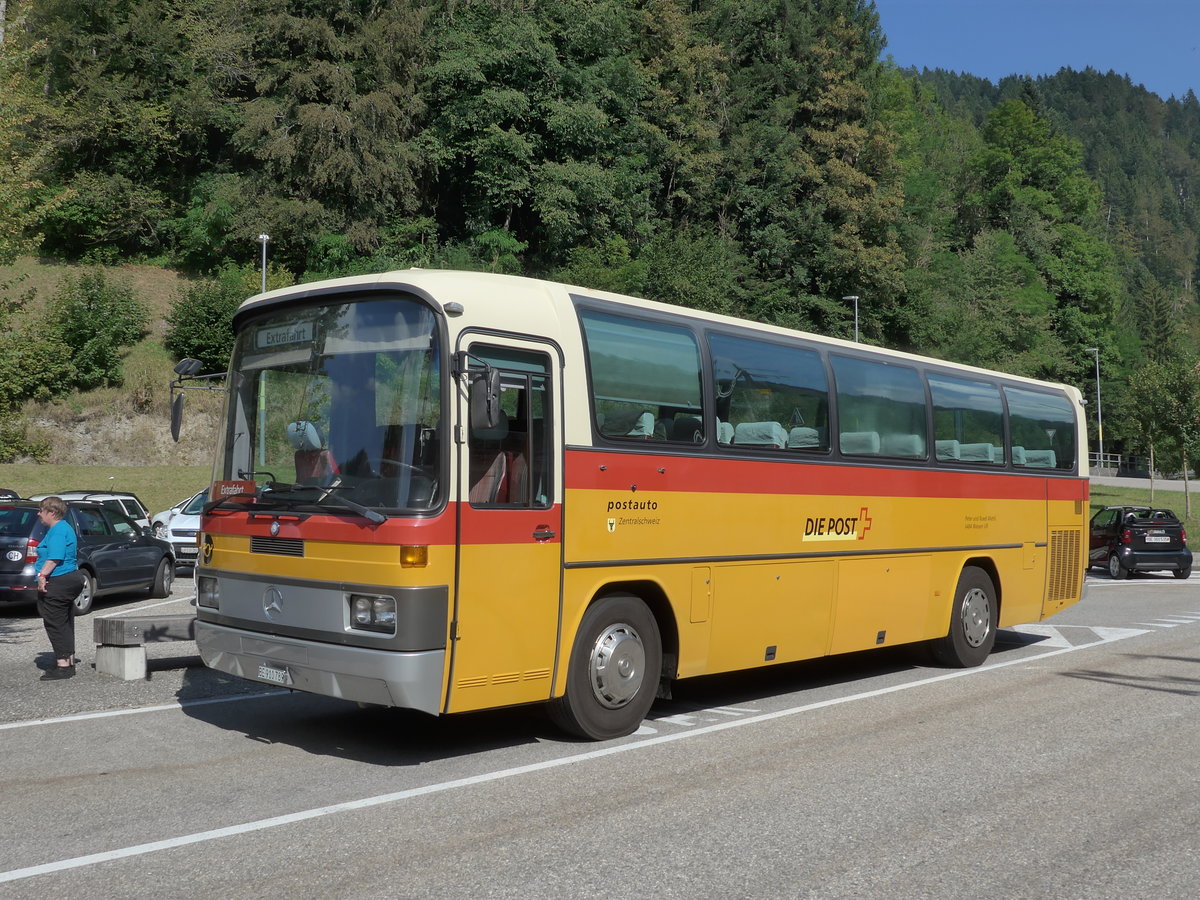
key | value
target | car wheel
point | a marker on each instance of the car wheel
(973, 621)
(163, 579)
(1183, 573)
(1115, 569)
(613, 670)
(87, 594)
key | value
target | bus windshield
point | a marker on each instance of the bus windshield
(337, 406)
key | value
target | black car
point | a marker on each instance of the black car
(1128, 539)
(115, 553)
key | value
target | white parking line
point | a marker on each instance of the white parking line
(138, 609)
(138, 710)
(502, 774)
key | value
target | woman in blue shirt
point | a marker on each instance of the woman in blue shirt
(59, 583)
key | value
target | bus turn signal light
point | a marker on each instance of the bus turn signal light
(413, 556)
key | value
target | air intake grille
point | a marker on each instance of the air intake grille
(1066, 566)
(277, 546)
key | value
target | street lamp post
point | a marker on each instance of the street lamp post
(854, 297)
(264, 238)
(1095, 351)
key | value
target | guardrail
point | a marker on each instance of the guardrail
(121, 641)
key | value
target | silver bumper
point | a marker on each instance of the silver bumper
(412, 680)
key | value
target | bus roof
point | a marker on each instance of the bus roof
(544, 302)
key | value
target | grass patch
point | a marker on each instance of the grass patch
(1105, 495)
(159, 487)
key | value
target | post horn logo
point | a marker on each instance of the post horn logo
(206, 550)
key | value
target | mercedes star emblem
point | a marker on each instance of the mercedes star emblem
(273, 602)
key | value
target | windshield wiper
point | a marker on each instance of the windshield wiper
(327, 491)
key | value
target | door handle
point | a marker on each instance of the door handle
(543, 533)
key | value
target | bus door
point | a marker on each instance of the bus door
(506, 607)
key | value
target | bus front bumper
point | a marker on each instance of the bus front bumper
(411, 680)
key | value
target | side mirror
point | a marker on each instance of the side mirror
(485, 399)
(187, 368)
(176, 417)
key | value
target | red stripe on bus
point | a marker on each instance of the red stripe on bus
(511, 526)
(1068, 489)
(345, 529)
(599, 471)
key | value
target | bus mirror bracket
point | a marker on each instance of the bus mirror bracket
(483, 391)
(188, 370)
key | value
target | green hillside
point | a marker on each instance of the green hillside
(749, 158)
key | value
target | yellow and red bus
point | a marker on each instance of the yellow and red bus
(455, 491)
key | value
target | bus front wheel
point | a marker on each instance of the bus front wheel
(973, 621)
(613, 671)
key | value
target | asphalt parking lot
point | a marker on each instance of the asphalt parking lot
(174, 671)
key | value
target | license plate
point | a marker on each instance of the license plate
(274, 674)
(188, 551)
(1158, 539)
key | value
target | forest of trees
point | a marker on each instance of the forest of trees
(752, 157)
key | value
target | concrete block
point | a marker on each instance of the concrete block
(126, 663)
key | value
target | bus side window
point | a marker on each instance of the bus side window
(644, 374)
(1044, 425)
(881, 408)
(769, 396)
(510, 464)
(968, 421)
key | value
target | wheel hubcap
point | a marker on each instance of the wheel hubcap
(976, 617)
(617, 665)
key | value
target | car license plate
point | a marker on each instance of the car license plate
(274, 674)
(1158, 539)
(188, 550)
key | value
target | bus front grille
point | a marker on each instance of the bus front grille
(277, 546)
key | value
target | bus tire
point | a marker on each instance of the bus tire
(613, 670)
(973, 621)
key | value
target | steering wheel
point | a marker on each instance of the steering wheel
(378, 464)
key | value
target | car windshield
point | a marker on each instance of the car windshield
(338, 406)
(195, 505)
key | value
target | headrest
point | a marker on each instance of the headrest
(643, 427)
(687, 428)
(759, 434)
(305, 436)
(802, 436)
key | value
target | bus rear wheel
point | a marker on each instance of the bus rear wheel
(973, 621)
(613, 670)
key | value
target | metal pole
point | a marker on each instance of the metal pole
(855, 299)
(264, 238)
(1095, 351)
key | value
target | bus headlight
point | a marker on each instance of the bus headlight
(208, 592)
(373, 613)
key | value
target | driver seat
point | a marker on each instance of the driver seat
(313, 461)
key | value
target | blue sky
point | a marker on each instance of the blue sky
(1155, 42)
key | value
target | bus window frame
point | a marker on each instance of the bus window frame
(583, 304)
